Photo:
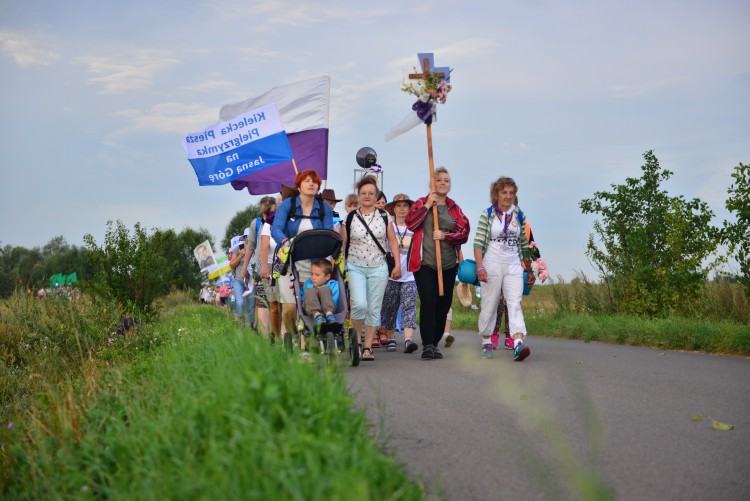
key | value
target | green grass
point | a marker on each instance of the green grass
(213, 411)
(710, 333)
(721, 337)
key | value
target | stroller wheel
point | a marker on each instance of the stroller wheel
(353, 347)
(331, 351)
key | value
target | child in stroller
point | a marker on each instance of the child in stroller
(324, 320)
(320, 294)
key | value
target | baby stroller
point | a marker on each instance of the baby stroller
(319, 244)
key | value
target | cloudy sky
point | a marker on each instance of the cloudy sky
(564, 96)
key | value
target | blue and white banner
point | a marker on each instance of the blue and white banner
(245, 144)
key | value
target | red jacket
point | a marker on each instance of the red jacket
(415, 220)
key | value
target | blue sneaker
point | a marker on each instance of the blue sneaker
(486, 351)
(330, 319)
(520, 352)
(319, 320)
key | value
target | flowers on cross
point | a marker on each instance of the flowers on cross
(432, 88)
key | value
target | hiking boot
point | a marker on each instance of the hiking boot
(410, 346)
(495, 339)
(520, 352)
(436, 353)
(486, 351)
(449, 338)
(428, 352)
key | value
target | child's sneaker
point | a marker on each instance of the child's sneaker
(330, 319)
(486, 351)
(508, 343)
(319, 320)
(521, 352)
(495, 339)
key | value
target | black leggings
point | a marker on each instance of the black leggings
(433, 309)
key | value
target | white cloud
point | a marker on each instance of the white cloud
(126, 72)
(25, 50)
(644, 88)
(293, 14)
(258, 55)
(212, 85)
(167, 118)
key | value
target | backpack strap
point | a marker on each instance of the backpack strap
(321, 210)
(384, 215)
(348, 226)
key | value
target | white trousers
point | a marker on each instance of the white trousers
(508, 279)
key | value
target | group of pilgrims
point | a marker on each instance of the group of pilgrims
(379, 297)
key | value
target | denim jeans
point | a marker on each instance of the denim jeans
(243, 305)
(366, 289)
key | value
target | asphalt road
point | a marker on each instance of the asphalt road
(572, 419)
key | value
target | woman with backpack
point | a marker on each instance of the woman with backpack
(367, 235)
(502, 306)
(252, 264)
(500, 248)
(294, 215)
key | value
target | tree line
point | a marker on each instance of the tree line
(654, 251)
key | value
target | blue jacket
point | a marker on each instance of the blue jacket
(332, 284)
(284, 228)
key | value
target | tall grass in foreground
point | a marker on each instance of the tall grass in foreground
(213, 412)
(46, 341)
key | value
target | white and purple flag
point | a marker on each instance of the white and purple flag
(303, 107)
(234, 148)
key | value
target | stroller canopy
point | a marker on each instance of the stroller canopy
(315, 244)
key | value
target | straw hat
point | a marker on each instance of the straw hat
(463, 291)
(401, 197)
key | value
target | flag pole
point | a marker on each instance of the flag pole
(294, 164)
(436, 225)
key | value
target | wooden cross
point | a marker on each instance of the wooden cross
(422, 76)
(436, 227)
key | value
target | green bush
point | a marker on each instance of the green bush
(737, 233)
(649, 246)
(132, 270)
